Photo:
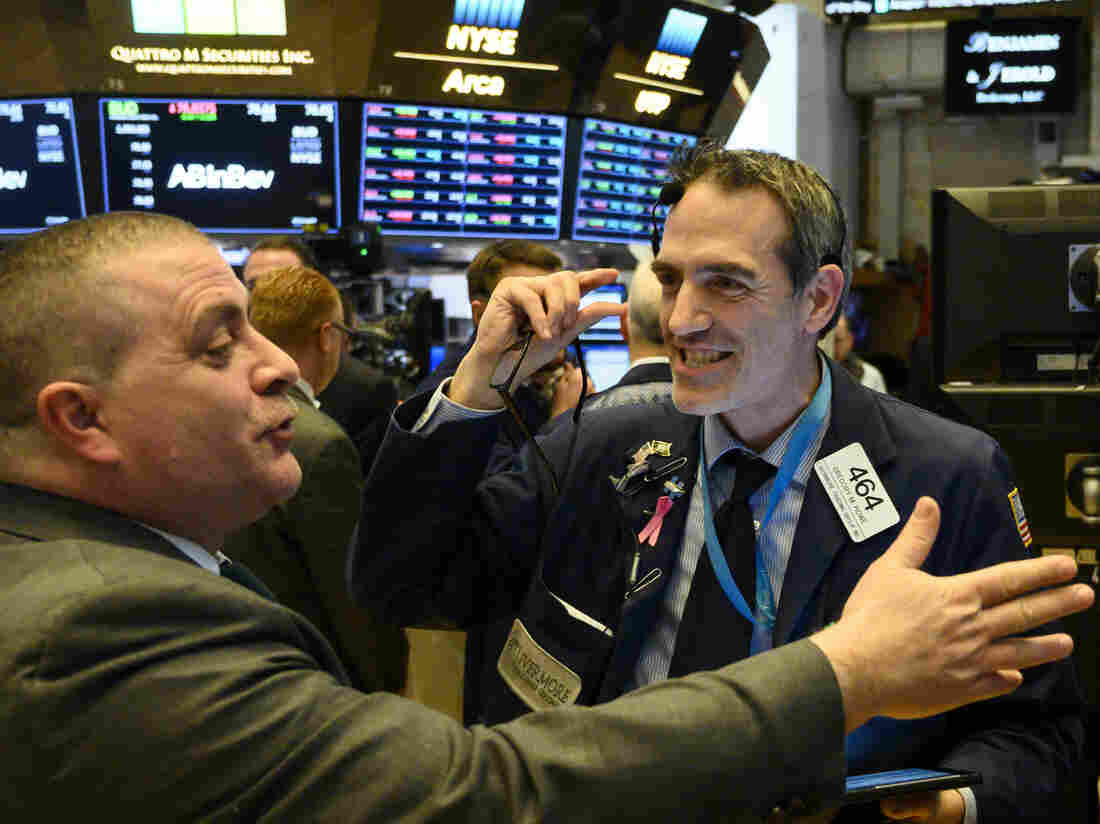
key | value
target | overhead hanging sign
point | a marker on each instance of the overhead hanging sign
(842, 7)
(480, 52)
(1026, 66)
(670, 66)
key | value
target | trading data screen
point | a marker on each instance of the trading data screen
(429, 170)
(621, 171)
(224, 165)
(39, 165)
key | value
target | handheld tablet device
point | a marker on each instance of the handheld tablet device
(875, 786)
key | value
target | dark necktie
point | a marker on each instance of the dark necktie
(240, 574)
(712, 632)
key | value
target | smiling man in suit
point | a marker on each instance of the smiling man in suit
(695, 531)
(144, 678)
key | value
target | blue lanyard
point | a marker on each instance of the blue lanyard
(801, 440)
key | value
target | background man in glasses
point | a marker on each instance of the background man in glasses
(647, 566)
(359, 396)
(299, 548)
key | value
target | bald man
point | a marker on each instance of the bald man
(649, 377)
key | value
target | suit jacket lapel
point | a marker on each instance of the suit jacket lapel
(820, 535)
(646, 373)
(640, 611)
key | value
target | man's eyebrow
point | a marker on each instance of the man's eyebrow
(731, 269)
(211, 317)
(734, 269)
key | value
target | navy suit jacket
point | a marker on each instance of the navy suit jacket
(472, 549)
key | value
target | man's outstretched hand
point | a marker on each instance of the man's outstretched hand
(909, 644)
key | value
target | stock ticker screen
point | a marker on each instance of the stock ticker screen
(431, 170)
(620, 174)
(40, 182)
(224, 165)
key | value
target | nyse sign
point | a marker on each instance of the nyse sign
(481, 39)
(478, 40)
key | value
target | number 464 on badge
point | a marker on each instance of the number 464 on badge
(857, 493)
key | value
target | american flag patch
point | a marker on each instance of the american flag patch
(1018, 514)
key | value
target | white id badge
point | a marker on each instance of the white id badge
(857, 492)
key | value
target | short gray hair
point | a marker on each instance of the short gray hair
(817, 223)
(63, 316)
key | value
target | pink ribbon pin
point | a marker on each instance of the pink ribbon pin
(652, 531)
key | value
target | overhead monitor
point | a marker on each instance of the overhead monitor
(433, 170)
(669, 65)
(1025, 66)
(1006, 263)
(606, 363)
(836, 8)
(40, 181)
(231, 166)
(621, 169)
(507, 53)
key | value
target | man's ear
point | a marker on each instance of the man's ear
(69, 412)
(477, 309)
(821, 297)
(624, 326)
(325, 340)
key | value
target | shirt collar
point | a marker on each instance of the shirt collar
(307, 390)
(189, 548)
(719, 440)
(648, 361)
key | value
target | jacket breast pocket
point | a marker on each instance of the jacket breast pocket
(555, 655)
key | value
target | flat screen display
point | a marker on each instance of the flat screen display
(430, 170)
(502, 53)
(39, 165)
(606, 363)
(620, 173)
(669, 65)
(224, 165)
(1026, 66)
(842, 7)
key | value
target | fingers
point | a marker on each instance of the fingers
(530, 303)
(918, 806)
(1021, 653)
(554, 298)
(590, 279)
(990, 685)
(552, 303)
(1031, 611)
(1003, 582)
(916, 538)
(594, 312)
(572, 289)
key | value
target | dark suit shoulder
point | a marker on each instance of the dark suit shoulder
(939, 439)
